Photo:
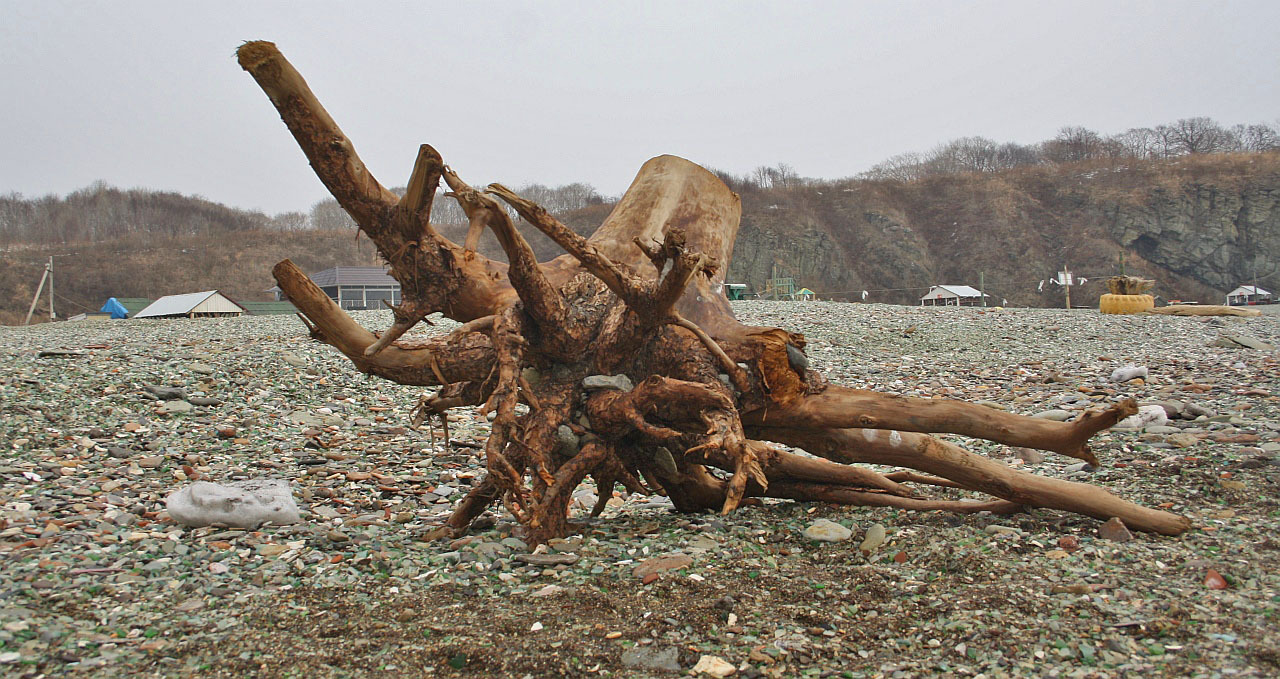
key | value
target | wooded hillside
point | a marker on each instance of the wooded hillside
(1193, 204)
(109, 242)
(1199, 225)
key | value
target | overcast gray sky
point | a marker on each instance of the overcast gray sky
(148, 94)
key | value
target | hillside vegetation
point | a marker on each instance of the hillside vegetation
(109, 242)
(1194, 205)
(1199, 225)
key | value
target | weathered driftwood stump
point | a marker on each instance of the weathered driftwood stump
(641, 298)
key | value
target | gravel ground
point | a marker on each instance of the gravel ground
(97, 580)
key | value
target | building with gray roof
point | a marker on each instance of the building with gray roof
(354, 287)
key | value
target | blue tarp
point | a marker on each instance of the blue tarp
(115, 308)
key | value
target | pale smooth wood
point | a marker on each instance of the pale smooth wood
(1204, 310)
(928, 454)
(841, 407)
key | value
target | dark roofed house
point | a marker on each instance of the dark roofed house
(354, 287)
(269, 308)
(134, 304)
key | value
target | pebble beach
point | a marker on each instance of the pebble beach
(103, 420)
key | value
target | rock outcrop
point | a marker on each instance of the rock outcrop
(1199, 226)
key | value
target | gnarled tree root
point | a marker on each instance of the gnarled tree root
(640, 297)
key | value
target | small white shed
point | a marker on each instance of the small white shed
(210, 303)
(736, 290)
(1248, 294)
(951, 295)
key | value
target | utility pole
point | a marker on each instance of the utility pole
(40, 288)
(51, 314)
(1256, 296)
(982, 286)
(1066, 284)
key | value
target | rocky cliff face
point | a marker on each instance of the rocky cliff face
(1199, 226)
(1217, 237)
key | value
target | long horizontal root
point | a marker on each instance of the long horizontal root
(819, 492)
(946, 460)
(841, 408)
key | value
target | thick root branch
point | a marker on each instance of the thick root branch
(439, 360)
(906, 449)
(818, 492)
(841, 408)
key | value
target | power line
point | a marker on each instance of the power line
(860, 290)
(73, 302)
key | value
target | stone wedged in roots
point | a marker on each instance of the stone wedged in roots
(642, 298)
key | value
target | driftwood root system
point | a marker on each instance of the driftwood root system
(628, 359)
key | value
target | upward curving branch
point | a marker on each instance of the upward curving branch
(434, 273)
(623, 284)
(543, 302)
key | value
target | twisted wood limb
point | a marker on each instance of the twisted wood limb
(907, 449)
(482, 324)
(413, 211)
(473, 504)
(622, 283)
(329, 151)
(725, 436)
(651, 300)
(783, 466)
(423, 181)
(434, 273)
(568, 476)
(737, 375)
(615, 413)
(509, 345)
(679, 267)
(912, 477)
(404, 321)
(457, 358)
(542, 300)
(820, 492)
(841, 407)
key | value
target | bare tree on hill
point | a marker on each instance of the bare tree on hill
(1196, 135)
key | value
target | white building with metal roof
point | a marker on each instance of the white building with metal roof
(952, 295)
(1248, 294)
(209, 303)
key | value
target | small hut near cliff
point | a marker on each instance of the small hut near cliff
(1248, 294)
(951, 295)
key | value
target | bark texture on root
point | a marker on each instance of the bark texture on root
(641, 298)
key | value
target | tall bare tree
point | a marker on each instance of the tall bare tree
(1195, 135)
(1074, 144)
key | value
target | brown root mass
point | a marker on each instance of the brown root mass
(1129, 285)
(642, 298)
